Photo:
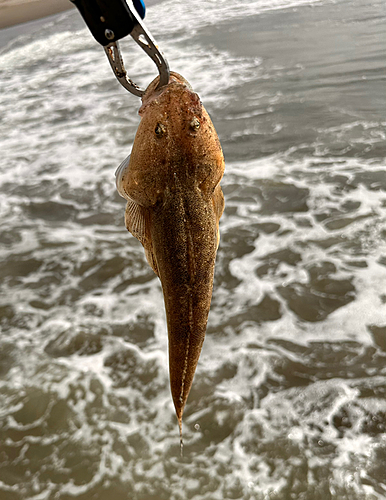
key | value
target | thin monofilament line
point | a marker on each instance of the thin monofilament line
(181, 440)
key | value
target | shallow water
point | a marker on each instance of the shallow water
(289, 399)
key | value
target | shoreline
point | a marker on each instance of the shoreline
(16, 12)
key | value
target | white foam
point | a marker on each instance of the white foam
(67, 122)
(192, 16)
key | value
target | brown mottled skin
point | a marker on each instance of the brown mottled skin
(174, 206)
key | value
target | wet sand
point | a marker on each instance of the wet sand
(14, 12)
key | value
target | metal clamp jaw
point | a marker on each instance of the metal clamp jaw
(111, 20)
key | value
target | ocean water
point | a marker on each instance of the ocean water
(289, 398)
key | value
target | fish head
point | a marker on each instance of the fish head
(175, 130)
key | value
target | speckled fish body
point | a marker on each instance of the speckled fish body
(171, 183)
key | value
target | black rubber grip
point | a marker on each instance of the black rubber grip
(108, 20)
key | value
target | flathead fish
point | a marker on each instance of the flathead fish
(174, 203)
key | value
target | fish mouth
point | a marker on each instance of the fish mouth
(152, 93)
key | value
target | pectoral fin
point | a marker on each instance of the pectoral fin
(137, 220)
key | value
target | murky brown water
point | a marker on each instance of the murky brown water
(289, 399)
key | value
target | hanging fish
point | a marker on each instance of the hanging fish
(174, 204)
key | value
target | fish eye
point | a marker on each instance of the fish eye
(195, 124)
(159, 130)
